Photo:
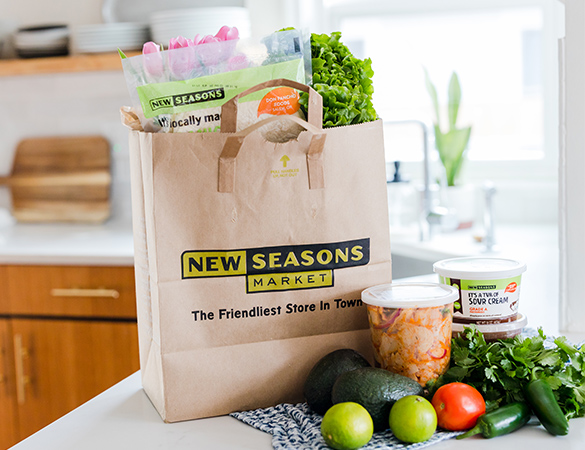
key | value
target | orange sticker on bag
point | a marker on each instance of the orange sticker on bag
(279, 102)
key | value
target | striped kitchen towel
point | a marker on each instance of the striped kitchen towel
(297, 427)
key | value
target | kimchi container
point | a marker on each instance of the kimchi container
(410, 325)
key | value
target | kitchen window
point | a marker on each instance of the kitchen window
(505, 53)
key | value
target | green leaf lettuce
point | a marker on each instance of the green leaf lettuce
(344, 82)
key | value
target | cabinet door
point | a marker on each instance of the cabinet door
(8, 425)
(61, 364)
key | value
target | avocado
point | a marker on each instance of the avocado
(375, 389)
(319, 382)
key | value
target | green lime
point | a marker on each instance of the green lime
(413, 419)
(347, 426)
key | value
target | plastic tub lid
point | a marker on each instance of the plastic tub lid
(479, 268)
(410, 295)
(515, 325)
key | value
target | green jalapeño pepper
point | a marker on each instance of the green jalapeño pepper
(500, 421)
(541, 399)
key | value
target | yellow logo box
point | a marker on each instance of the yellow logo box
(278, 259)
(278, 268)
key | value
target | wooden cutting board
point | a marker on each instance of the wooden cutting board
(61, 179)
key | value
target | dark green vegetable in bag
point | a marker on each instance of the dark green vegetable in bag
(541, 399)
(500, 421)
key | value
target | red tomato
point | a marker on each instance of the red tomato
(458, 406)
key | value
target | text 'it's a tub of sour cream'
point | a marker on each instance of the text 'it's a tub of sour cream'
(489, 288)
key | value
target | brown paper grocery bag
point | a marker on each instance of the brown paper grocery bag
(251, 257)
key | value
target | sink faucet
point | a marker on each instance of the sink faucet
(488, 216)
(432, 216)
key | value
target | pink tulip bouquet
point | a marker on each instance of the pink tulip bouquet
(190, 57)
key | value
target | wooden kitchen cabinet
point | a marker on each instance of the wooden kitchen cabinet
(67, 333)
(8, 421)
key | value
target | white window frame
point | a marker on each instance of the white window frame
(572, 168)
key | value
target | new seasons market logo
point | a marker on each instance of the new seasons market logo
(188, 98)
(279, 268)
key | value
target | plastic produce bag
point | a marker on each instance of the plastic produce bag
(182, 90)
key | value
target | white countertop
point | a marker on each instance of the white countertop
(110, 243)
(123, 418)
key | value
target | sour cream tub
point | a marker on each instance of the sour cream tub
(489, 288)
(410, 325)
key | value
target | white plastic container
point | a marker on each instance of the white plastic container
(410, 325)
(489, 288)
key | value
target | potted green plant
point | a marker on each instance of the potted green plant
(451, 142)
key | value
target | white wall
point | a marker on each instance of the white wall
(84, 103)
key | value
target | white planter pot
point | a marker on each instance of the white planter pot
(462, 201)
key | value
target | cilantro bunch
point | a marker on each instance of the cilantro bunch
(344, 82)
(500, 369)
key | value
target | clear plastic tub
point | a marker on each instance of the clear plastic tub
(489, 288)
(495, 331)
(410, 325)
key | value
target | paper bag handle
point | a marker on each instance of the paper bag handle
(229, 110)
(233, 144)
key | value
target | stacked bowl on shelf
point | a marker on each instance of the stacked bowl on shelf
(168, 24)
(40, 41)
(108, 37)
